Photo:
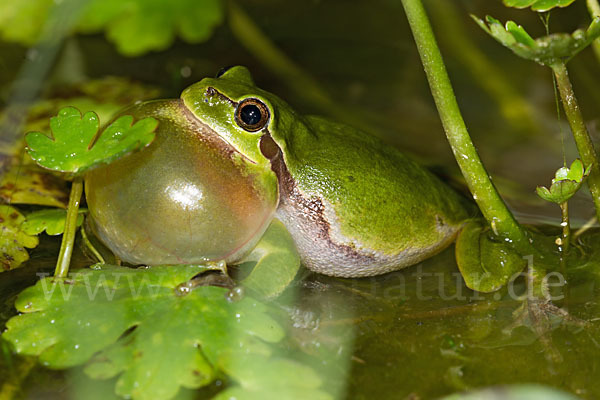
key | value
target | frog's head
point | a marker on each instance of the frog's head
(243, 115)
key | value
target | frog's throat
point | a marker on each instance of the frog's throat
(323, 249)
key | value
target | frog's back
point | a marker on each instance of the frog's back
(359, 207)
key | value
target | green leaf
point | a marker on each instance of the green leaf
(519, 33)
(565, 184)
(74, 146)
(51, 220)
(139, 326)
(135, 26)
(545, 50)
(276, 262)
(538, 5)
(13, 240)
(485, 264)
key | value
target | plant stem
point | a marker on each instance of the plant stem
(484, 192)
(90, 246)
(594, 9)
(580, 133)
(566, 227)
(68, 238)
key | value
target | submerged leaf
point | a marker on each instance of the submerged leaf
(138, 325)
(545, 50)
(13, 240)
(263, 378)
(276, 261)
(538, 5)
(485, 264)
(75, 147)
(51, 220)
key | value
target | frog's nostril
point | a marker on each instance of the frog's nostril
(210, 91)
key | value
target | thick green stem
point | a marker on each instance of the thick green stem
(566, 227)
(68, 238)
(484, 192)
(594, 9)
(580, 133)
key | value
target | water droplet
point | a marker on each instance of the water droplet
(235, 294)
(493, 224)
(183, 289)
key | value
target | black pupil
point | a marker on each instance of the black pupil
(250, 114)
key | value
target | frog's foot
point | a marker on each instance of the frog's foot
(542, 317)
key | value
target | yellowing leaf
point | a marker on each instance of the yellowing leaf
(13, 240)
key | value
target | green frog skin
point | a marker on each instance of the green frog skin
(229, 157)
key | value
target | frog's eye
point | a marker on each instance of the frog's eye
(251, 114)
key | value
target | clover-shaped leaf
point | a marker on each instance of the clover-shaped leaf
(565, 184)
(538, 5)
(50, 220)
(545, 50)
(485, 264)
(138, 325)
(75, 146)
(13, 240)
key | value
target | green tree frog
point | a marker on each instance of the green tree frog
(229, 158)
